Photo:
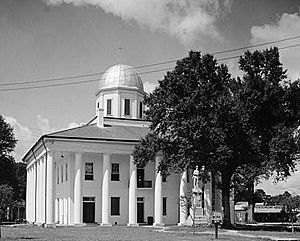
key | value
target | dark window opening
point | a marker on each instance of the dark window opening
(164, 179)
(141, 110)
(127, 107)
(164, 206)
(62, 174)
(89, 171)
(108, 107)
(115, 174)
(115, 206)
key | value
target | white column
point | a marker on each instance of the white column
(61, 211)
(30, 200)
(132, 194)
(50, 191)
(34, 191)
(158, 195)
(56, 210)
(27, 195)
(66, 211)
(208, 201)
(105, 190)
(38, 193)
(77, 189)
(43, 193)
(183, 205)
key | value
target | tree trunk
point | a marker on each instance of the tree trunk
(251, 205)
(226, 201)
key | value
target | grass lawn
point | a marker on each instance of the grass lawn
(90, 233)
(108, 234)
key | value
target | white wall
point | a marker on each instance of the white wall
(93, 188)
(170, 190)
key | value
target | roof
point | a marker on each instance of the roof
(121, 76)
(108, 132)
(115, 129)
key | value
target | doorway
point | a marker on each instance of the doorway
(88, 210)
(140, 210)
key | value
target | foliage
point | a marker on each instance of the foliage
(7, 139)
(201, 116)
(6, 199)
(11, 173)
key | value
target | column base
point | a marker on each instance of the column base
(106, 224)
(158, 224)
(50, 225)
(181, 224)
(132, 224)
(79, 224)
(39, 224)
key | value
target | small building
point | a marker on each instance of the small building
(269, 213)
(241, 212)
(87, 174)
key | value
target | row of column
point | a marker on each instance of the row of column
(43, 170)
(132, 209)
(40, 191)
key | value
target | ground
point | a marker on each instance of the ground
(115, 233)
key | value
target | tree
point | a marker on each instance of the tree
(20, 190)
(6, 200)
(192, 120)
(11, 172)
(7, 145)
(260, 196)
(270, 108)
(201, 116)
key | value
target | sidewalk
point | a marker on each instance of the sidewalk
(273, 236)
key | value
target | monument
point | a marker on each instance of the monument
(197, 198)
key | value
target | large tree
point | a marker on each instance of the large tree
(7, 145)
(270, 111)
(11, 173)
(201, 116)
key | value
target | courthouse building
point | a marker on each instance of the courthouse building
(87, 174)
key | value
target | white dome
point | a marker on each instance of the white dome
(120, 76)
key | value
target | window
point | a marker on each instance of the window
(98, 105)
(89, 171)
(127, 107)
(141, 110)
(115, 206)
(164, 206)
(141, 182)
(66, 169)
(62, 173)
(164, 179)
(115, 175)
(57, 174)
(108, 107)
